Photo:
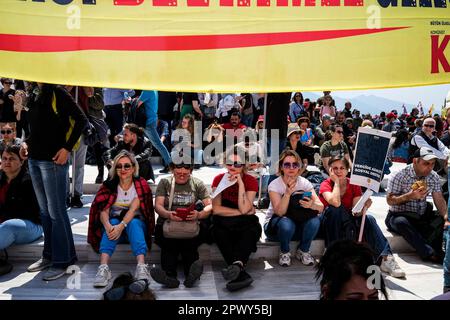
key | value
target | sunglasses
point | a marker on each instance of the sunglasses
(136, 287)
(291, 165)
(184, 166)
(235, 164)
(340, 132)
(126, 166)
(6, 131)
(7, 82)
(429, 125)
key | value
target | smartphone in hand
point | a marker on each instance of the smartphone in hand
(307, 194)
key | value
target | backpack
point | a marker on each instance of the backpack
(95, 131)
(136, 114)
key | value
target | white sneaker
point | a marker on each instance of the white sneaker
(285, 259)
(305, 257)
(391, 266)
(142, 272)
(103, 276)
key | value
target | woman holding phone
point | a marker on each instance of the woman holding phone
(339, 197)
(278, 226)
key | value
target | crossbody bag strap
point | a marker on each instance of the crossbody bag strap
(172, 191)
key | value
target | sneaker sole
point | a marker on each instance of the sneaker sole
(238, 286)
(60, 275)
(39, 268)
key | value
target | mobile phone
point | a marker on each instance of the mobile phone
(307, 194)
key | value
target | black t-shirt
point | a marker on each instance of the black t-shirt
(189, 97)
(166, 101)
(7, 108)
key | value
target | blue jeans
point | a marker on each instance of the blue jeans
(136, 236)
(49, 182)
(153, 136)
(18, 231)
(446, 262)
(288, 230)
(334, 221)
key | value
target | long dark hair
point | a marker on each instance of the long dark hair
(342, 260)
(46, 94)
(400, 137)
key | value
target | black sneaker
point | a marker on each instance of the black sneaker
(76, 202)
(231, 272)
(195, 271)
(161, 277)
(242, 281)
(165, 170)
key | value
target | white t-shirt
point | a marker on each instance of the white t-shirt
(279, 186)
(123, 201)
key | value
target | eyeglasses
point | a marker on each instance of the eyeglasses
(340, 132)
(291, 165)
(126, 166)
(429, 125)
(136, 287)
(184, 166)
(235, 164)
(6, 131)
(7, 82)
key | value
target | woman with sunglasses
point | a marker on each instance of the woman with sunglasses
(278, 226)
(236, 228)
(6, 101)
(122, 208)
(187, 190)
(334, 147)
(339, 197)
(8, 136)
(296, 108)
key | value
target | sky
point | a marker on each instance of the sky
(427, 94)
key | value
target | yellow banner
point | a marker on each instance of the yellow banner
(226, 45)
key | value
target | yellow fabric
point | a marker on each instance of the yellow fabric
(72, 124)
(392, 46)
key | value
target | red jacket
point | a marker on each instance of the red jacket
(105, 198)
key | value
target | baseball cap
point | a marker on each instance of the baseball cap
(425, 153)
(391, 115)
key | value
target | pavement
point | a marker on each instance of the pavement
(423, 281)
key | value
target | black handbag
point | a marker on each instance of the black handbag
(296, 211)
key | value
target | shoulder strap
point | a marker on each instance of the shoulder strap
(172, 191)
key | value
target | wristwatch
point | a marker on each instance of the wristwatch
(124, 223)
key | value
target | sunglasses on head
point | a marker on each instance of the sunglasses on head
(126, 166)
(235, 164)
(291, 165)
(184, 166)
(118, 293)
(429, 125)
(6, 131)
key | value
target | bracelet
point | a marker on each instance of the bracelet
(124, 223)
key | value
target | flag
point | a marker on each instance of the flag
(419, 106)
(430, 111)
(404, 109)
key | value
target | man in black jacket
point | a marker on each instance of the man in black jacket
(134, 141)
(19, 210)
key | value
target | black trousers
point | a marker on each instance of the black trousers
(236, 237)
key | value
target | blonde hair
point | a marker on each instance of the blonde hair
(123, 154)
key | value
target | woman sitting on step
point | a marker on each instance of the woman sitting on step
(339, 198)
(20, 221)
(285, 220)
(122, 208)
(236, 228)
(173, 196)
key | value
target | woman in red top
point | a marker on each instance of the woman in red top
(236, 228)
(339, 197)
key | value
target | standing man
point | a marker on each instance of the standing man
(48, 148)
(149, 98)
(347, 109)
(113, 99)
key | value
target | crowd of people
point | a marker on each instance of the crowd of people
(309, 195)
